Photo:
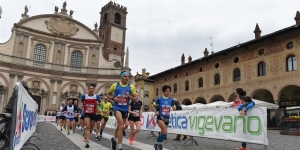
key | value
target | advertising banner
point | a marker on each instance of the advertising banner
(216, 123)
(26, 120)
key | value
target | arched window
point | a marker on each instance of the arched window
(200, 82)
(117, 18)
(236, 74)
(40, 52)
(187, 85)
(217, 79)
(291, 63)
(76, 59)
(175, 88)
(156, 91)
(261, 69)
(105, 18)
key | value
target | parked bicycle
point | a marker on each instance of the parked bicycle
(4, 130)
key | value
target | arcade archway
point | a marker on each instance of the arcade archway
(200, 100)
(290, 92)
(263, 95)
(187, 102)
(217, 98)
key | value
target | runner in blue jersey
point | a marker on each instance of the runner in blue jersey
(123, 92)
(164, 105)
(70, 110)
(90, 102)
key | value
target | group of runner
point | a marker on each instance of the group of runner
(94, 112)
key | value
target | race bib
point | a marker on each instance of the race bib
(138, 113)
(124, 101)
(90, 106)
(166, 109)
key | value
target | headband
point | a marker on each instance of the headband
(123, 74)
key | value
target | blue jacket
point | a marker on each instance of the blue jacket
(248, 106)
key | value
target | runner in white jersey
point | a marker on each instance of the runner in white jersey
(70, 111)
(90, 102)
(62, 117)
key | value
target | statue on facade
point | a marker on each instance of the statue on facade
(64, 5)
(56, 9)
(71, 13)
(96, 26)
(26, 10)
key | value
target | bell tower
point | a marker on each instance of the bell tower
(113, 31)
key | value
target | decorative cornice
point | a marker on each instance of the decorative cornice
(20, 77)
(21, 33)
(59, 42)
(52, 80)
(56, 72)
(41, 40)
(12, 75)
(77, 47)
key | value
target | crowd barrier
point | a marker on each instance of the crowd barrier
(24, 118)
(215, 123)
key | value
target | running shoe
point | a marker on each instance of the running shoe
(242, 148)
(160, 147)
(100, 135)
(130, 142)
(113, 144)
(87, 145)
(156, 146)
(60, 129)
(134, 137)
(97, 138)
(68, 133)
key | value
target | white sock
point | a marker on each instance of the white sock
(119, 145)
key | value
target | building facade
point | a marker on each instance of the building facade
(265, 67)
(59, 57)
(145, 87)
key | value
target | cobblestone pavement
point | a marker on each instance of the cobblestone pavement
(53, 139)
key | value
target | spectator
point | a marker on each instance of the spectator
(178, 107)
(12, 99)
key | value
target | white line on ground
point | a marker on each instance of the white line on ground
(78, 140)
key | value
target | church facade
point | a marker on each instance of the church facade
(59, 56)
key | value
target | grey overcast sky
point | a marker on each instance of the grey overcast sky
(159, 31)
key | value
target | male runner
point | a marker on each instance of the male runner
(107, 108)
(70, 110)
(62, 118)
(90, 101)
(98, 120)
(76, 113)
(123, 92)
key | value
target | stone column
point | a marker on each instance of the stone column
(58, 96)
(52, 83)
(278, 114)
(10, 86)
(2, 92)
(20, 77)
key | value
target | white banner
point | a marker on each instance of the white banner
(216, 123)
(27, 110)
